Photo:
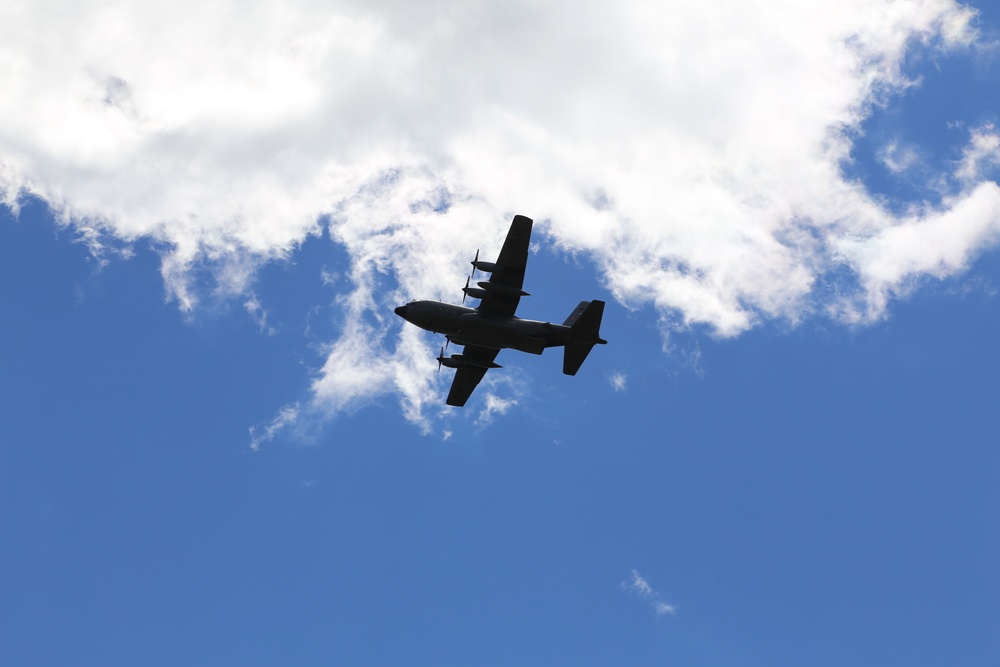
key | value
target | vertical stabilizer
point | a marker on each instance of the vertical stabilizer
(585, 333)
(575, 315)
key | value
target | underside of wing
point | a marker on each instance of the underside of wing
(504, 289)
(475, 361)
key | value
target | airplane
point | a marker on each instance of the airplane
(492, 326)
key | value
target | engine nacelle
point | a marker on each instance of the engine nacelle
(502, 290)
(474, 292)
(488, 267)
(461, 361)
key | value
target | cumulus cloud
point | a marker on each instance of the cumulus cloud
(637, 584)
(691, 149)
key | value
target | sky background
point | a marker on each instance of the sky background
(218, 446)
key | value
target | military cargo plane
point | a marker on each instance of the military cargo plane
(492, 326)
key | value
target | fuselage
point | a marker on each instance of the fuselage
(467, 326)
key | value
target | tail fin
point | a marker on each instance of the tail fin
(585, 333)
(575, 315)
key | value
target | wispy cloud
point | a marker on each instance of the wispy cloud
(708, 192)
(637, 584)
(898, 157)
(258, 314)
(266, 432)
(617, 381)
(495, 405)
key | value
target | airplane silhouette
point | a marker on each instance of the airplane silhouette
(492, 326)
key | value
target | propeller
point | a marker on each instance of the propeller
(474, 262)
(465, 292)
(441, 359)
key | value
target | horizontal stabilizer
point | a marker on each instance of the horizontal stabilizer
(574, 356)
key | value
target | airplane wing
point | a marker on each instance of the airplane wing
(468, 377)
(505, 283)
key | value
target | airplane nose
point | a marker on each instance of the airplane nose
(401, 311)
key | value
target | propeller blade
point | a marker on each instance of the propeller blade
(474, 263)
(440, 359)
(464, 293)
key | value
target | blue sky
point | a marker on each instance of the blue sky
(219, 446)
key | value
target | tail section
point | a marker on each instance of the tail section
(585, 333)
(575, 315)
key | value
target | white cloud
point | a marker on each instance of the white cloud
(617, 381)
(256, 311)
(692, 149)
(663, 608)
(898, 158)
(637, 584)
(931, 243)
(286, 417)
(495, 405)
(982, 154)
